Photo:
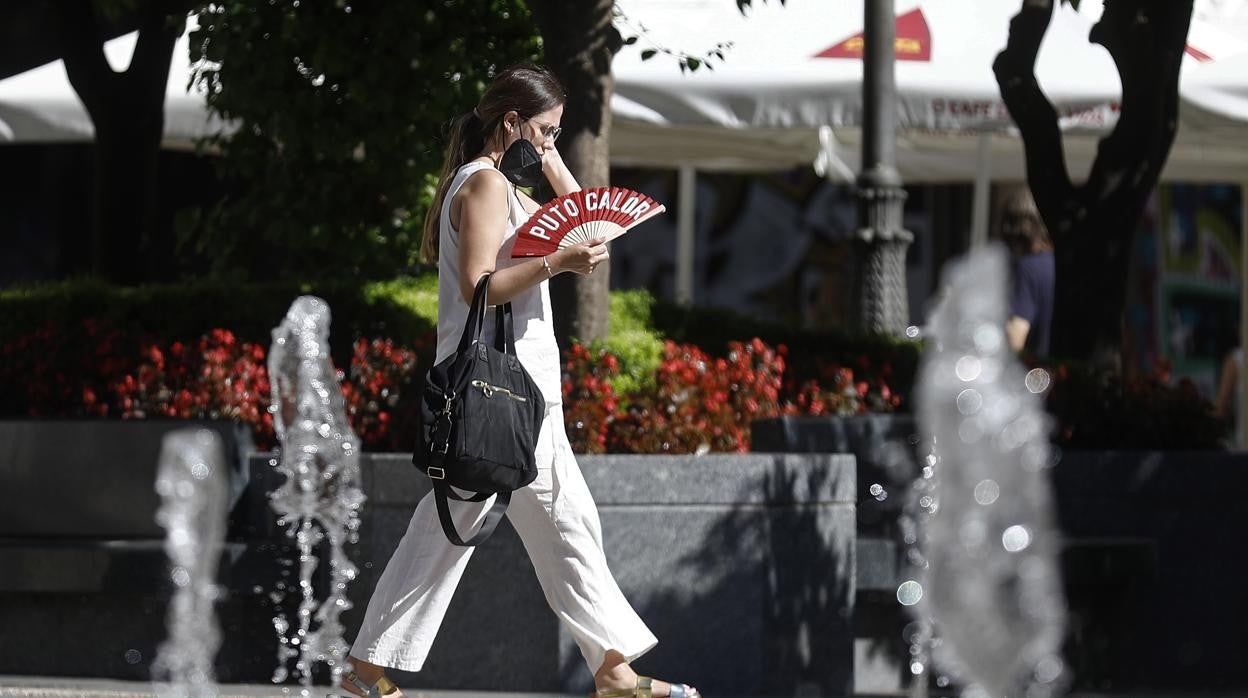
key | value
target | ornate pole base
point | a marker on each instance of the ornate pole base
(881, 304)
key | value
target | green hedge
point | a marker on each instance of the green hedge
(402, 309)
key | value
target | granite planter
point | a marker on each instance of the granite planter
(1150, 558)
(743, 566)
(84, 587)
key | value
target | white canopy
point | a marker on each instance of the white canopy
(789, 90)
(40, 106)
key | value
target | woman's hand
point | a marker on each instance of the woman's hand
(581, 258)
(557, 172)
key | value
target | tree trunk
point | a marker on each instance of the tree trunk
(1092, 225)
(580, 41)
(127, 110)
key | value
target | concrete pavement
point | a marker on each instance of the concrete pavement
(51, 687)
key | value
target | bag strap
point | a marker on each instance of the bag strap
(476, 315)
(504, 326)
(441, 491)
(504, 329)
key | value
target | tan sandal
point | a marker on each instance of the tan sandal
(643, 689)
(383, 687)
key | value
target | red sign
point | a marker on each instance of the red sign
(913, 40)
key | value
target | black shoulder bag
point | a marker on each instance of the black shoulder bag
(480, 414)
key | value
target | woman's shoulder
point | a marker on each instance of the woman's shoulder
(477, 177)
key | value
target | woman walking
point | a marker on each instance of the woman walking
(507, 139)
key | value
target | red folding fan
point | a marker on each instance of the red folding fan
(602, 213)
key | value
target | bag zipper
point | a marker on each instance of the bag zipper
(489, 390)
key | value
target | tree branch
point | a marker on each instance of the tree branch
(148, 74)
(1146, 41)
(159, 30)
(1015, 69)
(82, 48)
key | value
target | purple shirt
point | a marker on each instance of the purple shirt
(1032, 298)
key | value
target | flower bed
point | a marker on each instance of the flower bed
(696, 402)
(666, 380)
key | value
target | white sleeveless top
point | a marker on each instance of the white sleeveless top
(535, 334)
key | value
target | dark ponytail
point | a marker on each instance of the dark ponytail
(467, 138)
(524, 89)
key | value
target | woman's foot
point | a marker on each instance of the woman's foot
(370, 675)
(616, 674)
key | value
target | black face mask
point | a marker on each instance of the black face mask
(522, 164)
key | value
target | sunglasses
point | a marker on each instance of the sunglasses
(547, 130)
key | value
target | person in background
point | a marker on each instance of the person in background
(1031, 297)
(1226, 402)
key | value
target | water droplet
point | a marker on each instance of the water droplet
(1035, 457)
(909, 593)
(1018, 432)
(1037, 380)
(180, 576)
(973, 533)
(1048, 669)
(875, 489)
(968, 368)
(970, 431)
(987, 338)
(969, 401)
(913, 632)
(912, 332)
(1016, 538)
(942, 681)
(200, 471)
(133, 656)
(987, 491)
(916, 668)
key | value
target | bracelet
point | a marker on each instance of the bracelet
(549, 274)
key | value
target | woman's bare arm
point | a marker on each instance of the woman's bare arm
(557, 173)
(483, 206)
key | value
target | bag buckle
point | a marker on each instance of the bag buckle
(441, 474)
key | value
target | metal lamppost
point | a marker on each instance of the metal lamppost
(880, 301)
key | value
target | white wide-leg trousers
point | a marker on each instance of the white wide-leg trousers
(558, 523)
